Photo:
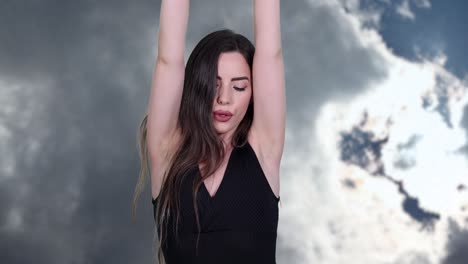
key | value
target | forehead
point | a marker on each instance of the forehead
(232, 63)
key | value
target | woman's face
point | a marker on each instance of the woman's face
(234, 89)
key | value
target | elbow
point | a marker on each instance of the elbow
(165, 60)
(276, 53)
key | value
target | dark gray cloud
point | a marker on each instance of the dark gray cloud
(80, 65)
(464, 124)
(429, 33)
(457, 244)
(443, 96)
(324, 60)
(405, 161)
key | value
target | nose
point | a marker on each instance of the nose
(223, 95)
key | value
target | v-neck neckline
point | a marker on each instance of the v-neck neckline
(222, 180)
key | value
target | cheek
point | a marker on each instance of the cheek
(246, 103)
(245, 99)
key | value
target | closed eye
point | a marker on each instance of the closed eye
(239, 88)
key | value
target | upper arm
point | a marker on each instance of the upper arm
(168, 75)
(165, 99)
(163, 111)
(167, 84)
(269, 105)
(268, 80)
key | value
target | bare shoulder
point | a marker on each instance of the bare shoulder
(160, 164)
(268, 162)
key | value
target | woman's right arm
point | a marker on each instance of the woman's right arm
(168, 76)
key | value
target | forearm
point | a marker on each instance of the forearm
(173, 21)
(267, 27)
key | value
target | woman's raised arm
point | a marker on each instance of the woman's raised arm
(173, 21)
(168, 76)
(166, 88)
(267, 27)
(268, 80)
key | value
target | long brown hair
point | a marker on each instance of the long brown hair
(199, 140)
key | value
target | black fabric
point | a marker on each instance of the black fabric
(238, 224)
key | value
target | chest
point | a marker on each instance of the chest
(270, 171)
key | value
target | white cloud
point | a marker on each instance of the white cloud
(422, 3)
(404, 8)
(333, 223)
(369, 16)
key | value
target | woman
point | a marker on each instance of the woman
(217, 124)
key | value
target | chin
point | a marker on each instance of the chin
(221, 129)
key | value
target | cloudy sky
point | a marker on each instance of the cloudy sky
(376, 155)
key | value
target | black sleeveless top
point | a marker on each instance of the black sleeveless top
(238, 224)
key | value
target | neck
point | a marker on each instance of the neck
(227, 139)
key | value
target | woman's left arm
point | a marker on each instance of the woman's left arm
(268, 79)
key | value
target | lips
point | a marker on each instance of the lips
(220, 112)
(222, 116)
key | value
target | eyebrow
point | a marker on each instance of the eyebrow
(235, 78)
